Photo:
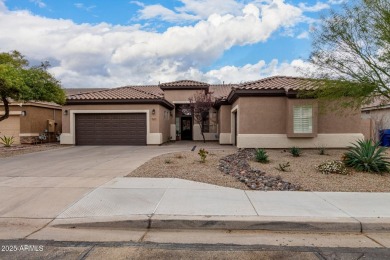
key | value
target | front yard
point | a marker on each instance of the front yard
(26, 148)
(301, 175)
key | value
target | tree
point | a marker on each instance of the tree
(200, 104)
(19, 81)
(351, 53)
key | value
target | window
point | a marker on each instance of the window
(303, 119)
(206, 123)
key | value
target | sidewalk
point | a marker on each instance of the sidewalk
(175, 204)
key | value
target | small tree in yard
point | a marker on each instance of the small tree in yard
(200, 105)
(20, 82)
(351, 52)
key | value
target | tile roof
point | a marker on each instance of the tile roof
(73, 91)
(184, 83)
(280, 82)
(220, 91)
(380, 102)
(122, 93)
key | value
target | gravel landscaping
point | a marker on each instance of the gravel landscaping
(240, 171)
(26, 148)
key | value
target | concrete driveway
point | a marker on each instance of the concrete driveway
(40, 186)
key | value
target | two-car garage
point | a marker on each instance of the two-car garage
(110, 129)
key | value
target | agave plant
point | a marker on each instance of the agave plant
(7, 141)
(367, 156)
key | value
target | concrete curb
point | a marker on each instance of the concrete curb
(302, 224)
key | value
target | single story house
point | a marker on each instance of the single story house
(266, 113)
(28, 120)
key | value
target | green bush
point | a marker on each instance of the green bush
(336, 167)
(367, 156)
(261, 156)
(7, 141)
(295, 151)
(203, 154)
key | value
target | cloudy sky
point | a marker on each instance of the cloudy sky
(100, 43)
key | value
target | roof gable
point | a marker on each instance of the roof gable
(184, 84)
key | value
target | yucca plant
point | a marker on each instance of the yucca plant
(367, 156)
(7, 141)
(261, 156)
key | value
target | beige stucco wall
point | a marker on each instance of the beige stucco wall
(179, 96)
(164, 117)
(339, 122)
(36, 119)
(11, 127)
(224, 118)
(265, 115)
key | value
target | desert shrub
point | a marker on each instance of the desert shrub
(7, 141)
(367, 156)
(321, 150)
(283, 167)
(203, 154)
(336, 167)
(295, 151)
(261, 156)
(167, 161)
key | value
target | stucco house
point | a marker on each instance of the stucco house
(265, 113)
(377, 116)
(28, 120)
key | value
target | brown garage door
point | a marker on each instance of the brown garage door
(111, 129)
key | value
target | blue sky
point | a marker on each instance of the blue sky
(114, 43)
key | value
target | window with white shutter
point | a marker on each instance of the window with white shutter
(303, 119)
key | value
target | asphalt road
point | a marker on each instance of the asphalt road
(33, 249)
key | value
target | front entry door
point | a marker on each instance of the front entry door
(186, 128)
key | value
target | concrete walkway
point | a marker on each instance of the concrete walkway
(176, 203)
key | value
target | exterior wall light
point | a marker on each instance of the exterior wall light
(153, 111)
(24, 113)
(65, 112)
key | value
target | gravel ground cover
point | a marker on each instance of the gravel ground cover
(187, 165)
(26, 148)
(301, 174)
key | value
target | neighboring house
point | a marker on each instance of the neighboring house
(377, 116)
(28, 120)
(264, 113)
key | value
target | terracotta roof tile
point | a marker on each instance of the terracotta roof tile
(184, 83)
(280, 82)
(74, 91)
(129, 92)
(220, 91)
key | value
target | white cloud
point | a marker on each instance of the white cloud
(104, 55)
(205, 8)
(303, 35)
(165, 14)
(84, 7)
(319, 6)
(337, 2)
(39, 3)
(249, 72)
(137, 3)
